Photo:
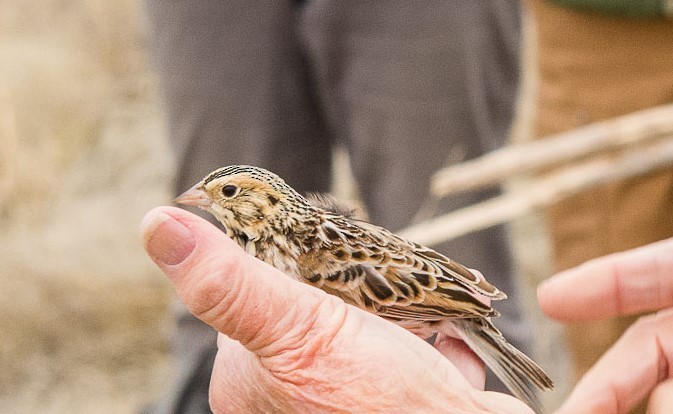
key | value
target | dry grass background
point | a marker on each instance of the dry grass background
(82, 157)
(83, 313)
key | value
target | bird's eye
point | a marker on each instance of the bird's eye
(229, 190)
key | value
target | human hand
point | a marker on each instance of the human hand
(288, 347)
(639, 363)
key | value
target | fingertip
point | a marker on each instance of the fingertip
(553, 294)
(167, 241)
(557, 282)
(150, 222)
(546, 296)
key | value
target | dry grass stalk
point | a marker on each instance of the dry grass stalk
(628, 131)
(544, 191)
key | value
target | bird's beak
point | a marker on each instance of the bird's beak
(195, 196)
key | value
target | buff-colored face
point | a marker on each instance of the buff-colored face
(239, 202)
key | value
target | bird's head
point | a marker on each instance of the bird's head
(245, 199)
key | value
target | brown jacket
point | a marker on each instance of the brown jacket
(594, 67)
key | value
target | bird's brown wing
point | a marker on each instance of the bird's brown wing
(374, 268)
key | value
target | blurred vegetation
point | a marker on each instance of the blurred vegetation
(82, 158)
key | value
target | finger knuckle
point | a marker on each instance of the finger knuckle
(213, 290)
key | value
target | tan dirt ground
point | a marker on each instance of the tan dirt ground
(82, 156)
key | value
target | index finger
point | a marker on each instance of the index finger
(619, 284)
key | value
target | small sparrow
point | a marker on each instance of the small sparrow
(318, 243)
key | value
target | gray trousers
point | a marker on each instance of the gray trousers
(407, 87)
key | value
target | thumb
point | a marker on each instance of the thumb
(238, 295)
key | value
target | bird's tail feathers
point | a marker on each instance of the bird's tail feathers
(518, 372)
